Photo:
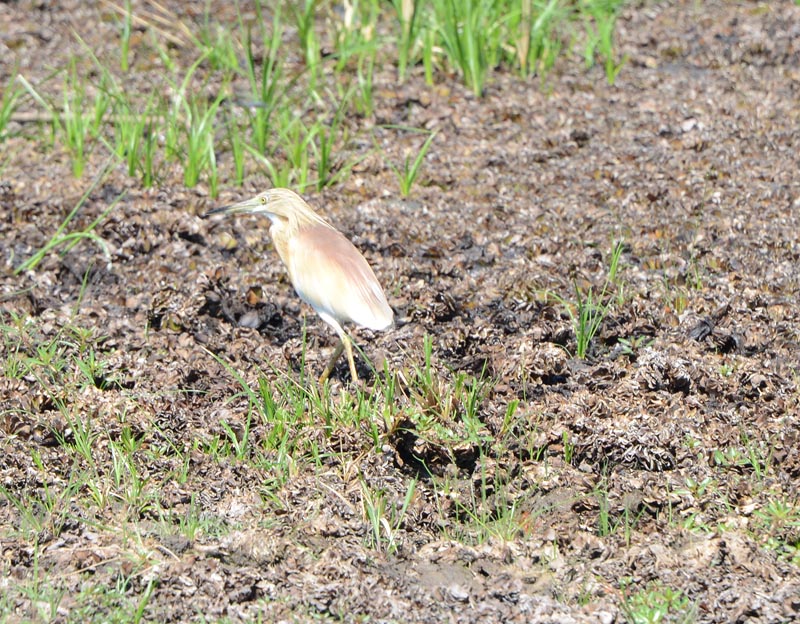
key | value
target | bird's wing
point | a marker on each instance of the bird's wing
(332, 276)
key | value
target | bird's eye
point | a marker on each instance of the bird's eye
(263, 200)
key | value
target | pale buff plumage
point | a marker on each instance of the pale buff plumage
(325, 268)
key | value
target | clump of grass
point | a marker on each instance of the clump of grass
(237, 147)
(200, 130)
(74, 124)
(304, 16)
(356, 32)
(600, 18)
(485, 511)
(407, 172)
(125, 37)
(174, 121)
(46, 510)
(469, 31)
(70, 123)
(289, 164)
(129, 130)
(217, 40)
(9, 101)
(264, 77)
(384, 517)
(446, 409)
(363, 98)
(327, 135)
(655, 603)
(590, 308)
(409, 15)
(538, 43)
(776, 526)
(283, 406)
(476, 36)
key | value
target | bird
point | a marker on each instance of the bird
(325, 268)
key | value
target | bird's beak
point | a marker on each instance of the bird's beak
(243, 207)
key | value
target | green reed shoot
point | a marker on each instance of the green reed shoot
(125, 39)
(9, 101)
(237, 145)
(410, 18)
(304, 14)
(200, 126)
(265, 80)
(601, 19)
(407, 173)
(469, 33)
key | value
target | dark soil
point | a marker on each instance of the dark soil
(679, 430)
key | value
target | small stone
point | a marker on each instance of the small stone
(249, 319)
(458, 592)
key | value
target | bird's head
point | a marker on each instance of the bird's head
(284, 207)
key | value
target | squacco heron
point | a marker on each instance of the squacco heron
(325, 268)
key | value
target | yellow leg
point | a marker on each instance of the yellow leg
(349, 349)
(337, 352)
(344, 345)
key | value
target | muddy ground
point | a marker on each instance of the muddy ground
(657, 461)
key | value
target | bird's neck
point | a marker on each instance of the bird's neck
(281, 232)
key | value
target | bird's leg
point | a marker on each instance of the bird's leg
(344, 345)
(337, 352)
(348, 347)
